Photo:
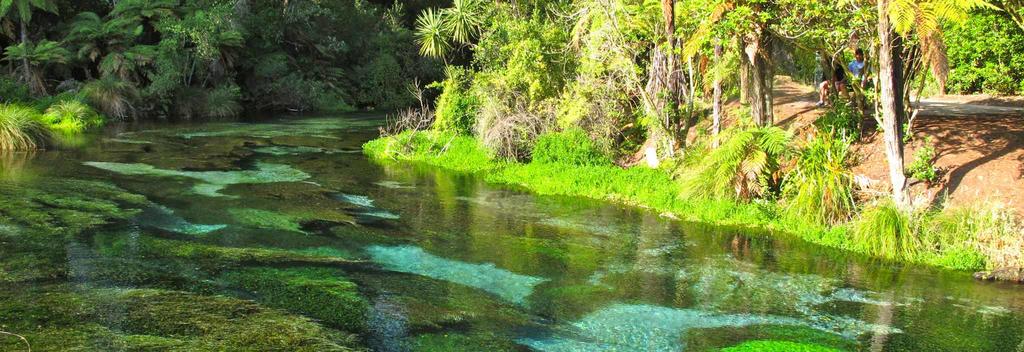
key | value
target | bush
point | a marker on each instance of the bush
(572, 147)
(841, 120)
(21, 128)
(71, 117)
(12, 91)
(922, 168)
(820, 188)
(743, 167)
(457, 107)
(887, 231)
(986, 54)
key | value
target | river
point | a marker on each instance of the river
(443, 260)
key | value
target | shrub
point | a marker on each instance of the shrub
(986, 54)
(457, 106)
(572, 147)
(20, 128)
(821, 186)
(841, 120)
(922, 168)
(990, 228)
(887, 231)
(112, 96)
(743, 167)
(71, 117)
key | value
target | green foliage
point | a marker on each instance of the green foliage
(841, 120)
(820, 187)
(743, 167)
(986, 54)
(38, 54)
(887, 231)
(12, 91)
(777, 346)
(319, 293)
(431, 33)
(71, 116)
(21, 128)
(457, 107)
(923, 168)
(571, 147)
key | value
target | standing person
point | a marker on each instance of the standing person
(838, 82)
(858, 68)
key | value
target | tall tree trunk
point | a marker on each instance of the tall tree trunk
(757, 50)
(716, 100)
(890, 81)
(27, 71)
(663, 85)
(744, 76)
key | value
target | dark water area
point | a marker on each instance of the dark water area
(264, 233)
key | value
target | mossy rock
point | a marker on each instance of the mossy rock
(777, 346)
(320, 293)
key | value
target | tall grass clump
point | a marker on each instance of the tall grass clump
(977, 235)
(744, 166)
(821, 186)
(886, 231)
(112, 96)
(71, 117)
(21, 128)
(571, 147)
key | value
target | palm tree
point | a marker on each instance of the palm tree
(436, 30)
(24, 8)
(109, 40)
(898, 20)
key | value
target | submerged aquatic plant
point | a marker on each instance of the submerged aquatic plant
(21, 129)
(212, 181)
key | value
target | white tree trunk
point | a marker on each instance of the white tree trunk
(890, 82)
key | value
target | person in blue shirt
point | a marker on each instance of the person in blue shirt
(858, 68)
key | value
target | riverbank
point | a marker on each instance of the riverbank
(957, 239)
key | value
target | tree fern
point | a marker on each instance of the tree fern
(744, 166)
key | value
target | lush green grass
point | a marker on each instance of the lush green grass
(777, 346)
(657, 190)
(21, 128)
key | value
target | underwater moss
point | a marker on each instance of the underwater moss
(263, 219)
(163, 218)
(85, 318)
(320, 293)
(62, 207)
(208, 257)
(457, 342)
(212, 182)
(778, 346)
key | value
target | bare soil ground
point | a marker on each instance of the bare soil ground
(979, 142)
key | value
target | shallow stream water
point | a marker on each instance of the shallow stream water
(442, 260)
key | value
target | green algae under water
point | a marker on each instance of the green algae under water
(269, 236)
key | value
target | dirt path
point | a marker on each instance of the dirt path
(979, 141)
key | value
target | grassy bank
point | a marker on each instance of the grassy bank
(954, 239)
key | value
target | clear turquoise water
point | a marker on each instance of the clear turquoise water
(447, 262)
